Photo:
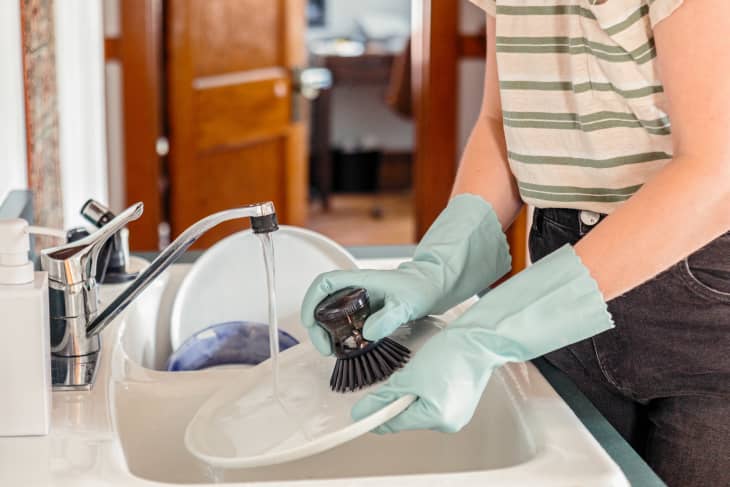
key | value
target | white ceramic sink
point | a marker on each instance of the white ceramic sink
(522, 432)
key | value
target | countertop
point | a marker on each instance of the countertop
(633, 466)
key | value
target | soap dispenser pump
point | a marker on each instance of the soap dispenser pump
(25, 406)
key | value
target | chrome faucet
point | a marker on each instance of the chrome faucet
(75, 319)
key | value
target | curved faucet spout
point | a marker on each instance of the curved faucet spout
(263, 220)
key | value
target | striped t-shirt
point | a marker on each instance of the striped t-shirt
(582, 103)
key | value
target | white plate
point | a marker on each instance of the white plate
(241, 426)
(228, 282)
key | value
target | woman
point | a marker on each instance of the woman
(576, 121)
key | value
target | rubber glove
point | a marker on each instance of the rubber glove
(462, 253)
(550, 305)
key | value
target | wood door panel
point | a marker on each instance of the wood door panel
(237, 114)
(234, 139)
(230, 179)
(217, 27)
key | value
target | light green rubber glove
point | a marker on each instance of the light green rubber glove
(548, 306)
(462, 253)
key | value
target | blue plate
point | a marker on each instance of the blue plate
(235, 342)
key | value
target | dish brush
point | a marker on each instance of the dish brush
(360, 362)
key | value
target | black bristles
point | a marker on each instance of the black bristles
(350, 380)
(335, 374)
(366, 370)
(382, 363)
(373, 364)
(393, 345)
(373, 367)
(358, 366)
(388, 356)
(340, 376)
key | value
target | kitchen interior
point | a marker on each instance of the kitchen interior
(362, 164)
(327, 110)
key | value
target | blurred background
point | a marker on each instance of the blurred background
(350, 116)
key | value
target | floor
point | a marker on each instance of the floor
(366, 219)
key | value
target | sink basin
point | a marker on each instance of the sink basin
(522, 432)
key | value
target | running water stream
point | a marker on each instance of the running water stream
(290, 408)
(267, 245)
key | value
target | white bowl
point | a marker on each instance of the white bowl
(228, 282)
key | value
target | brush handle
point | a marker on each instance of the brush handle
(342, 315)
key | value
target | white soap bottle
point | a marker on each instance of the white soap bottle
(25, 377)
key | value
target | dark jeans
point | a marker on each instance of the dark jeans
(662, 375)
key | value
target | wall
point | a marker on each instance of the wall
(80, 73)
(360, 112)
(114, 111)
(340, 15)
(41, 112)
(12, 119)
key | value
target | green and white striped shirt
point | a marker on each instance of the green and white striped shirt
(582, 102)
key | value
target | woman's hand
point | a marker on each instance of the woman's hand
(448, 379)
(462, 253)
(551, 304)
(400, 295)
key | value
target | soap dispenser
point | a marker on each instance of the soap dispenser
(25, 377)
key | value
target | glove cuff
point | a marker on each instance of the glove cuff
(486, 225)
(463, 252)
(552, 304)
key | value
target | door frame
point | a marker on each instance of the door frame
(435, 83)
(139, 52)
(437, 48)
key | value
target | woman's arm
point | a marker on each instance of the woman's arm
(687, 204)
(484, 169)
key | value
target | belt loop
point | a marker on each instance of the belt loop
(537, 216)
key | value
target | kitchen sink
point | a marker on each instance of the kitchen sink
(522, 432)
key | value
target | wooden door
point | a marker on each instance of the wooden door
(237, 131)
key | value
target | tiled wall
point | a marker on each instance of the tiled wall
(41, 109)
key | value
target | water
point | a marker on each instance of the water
(215, 474)
(267, 245)
(295, 409)
(306, 409)
(290, 412)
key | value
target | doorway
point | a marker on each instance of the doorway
(208, 116)
(362, 128)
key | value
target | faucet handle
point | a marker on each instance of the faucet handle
(76, 262)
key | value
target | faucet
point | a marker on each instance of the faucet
(73, 299)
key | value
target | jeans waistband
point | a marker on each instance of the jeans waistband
(578, 221)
